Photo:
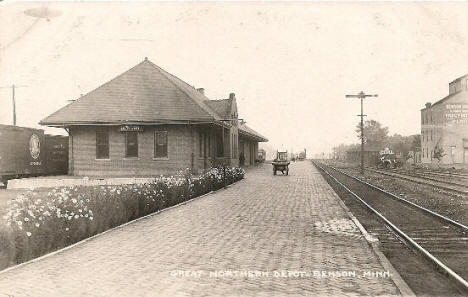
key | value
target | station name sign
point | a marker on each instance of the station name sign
(131, 128)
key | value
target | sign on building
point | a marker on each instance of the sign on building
(456, 114)
(131, 128)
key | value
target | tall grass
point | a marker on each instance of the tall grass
(37, 223)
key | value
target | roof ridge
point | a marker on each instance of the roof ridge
(95, 89)
(203, 106)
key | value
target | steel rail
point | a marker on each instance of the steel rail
(445, 174)
(422, 250)
(438, 174)
(418, 182)
(439, 216)
(421, 176)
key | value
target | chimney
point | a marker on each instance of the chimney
(428, 104)
(232, 96)
(201, 90)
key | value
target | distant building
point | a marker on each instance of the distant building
(444, 126)
(146, 122)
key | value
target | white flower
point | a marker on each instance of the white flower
(37, 225)
(66, 229)
(26, 219)
(28, 233)
(77, 216)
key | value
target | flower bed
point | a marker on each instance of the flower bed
(37, 223)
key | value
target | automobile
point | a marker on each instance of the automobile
(387, 159)
(281, 163)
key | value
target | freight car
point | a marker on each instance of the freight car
(261, 155)
(26, 152)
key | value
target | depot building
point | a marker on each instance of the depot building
(147, 122)
(444, 127)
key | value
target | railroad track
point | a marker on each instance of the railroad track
(439, 239)
(446, 185)
(456, 179)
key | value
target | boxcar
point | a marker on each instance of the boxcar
(28, 152)
(261, 155)
(21, 152)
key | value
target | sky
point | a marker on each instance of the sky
(289, 64)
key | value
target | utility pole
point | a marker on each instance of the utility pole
(361, 96)
(13, 100)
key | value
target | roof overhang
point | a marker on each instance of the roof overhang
(253, 136)
(140, 123)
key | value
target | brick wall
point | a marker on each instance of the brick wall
(83, 154)
(184, 151)
(436, 129)
(250, 150)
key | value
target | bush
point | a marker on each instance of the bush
(37, 224)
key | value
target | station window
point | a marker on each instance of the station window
(160, 144)
(131, 144)
(102, 144)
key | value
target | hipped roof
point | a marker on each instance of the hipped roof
(145, 93)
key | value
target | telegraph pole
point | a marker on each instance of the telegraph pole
(13, 100)
(361, 96)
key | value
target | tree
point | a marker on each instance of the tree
(439, 152)
(416, 144)
(373, 132)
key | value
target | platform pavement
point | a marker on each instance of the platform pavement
(265, 224)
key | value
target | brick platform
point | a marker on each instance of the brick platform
(240, 241)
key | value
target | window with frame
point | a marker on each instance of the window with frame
(102, 144)
(131, 144)
(160, 144)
